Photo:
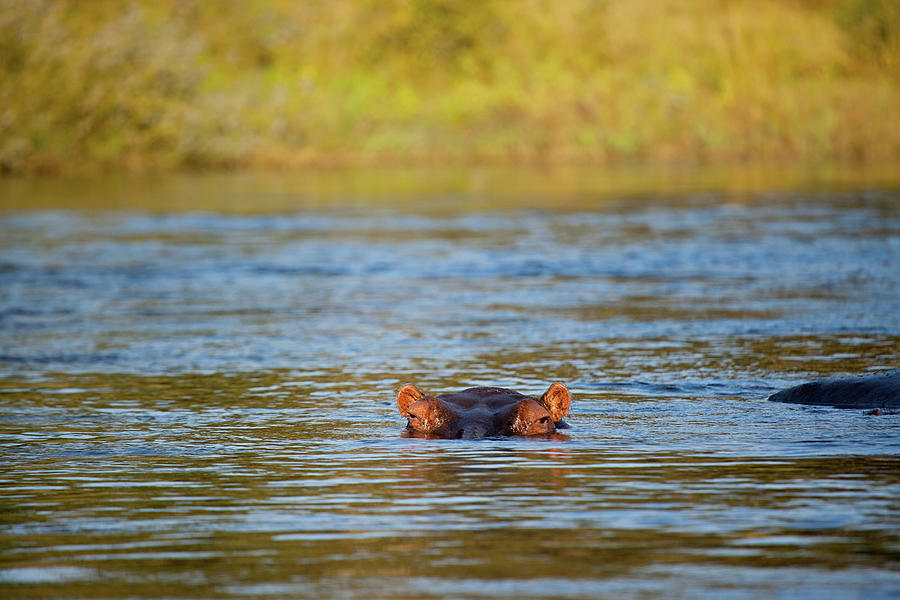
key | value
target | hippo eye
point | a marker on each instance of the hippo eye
(541, 425)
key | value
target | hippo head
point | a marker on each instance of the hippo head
(483, 411)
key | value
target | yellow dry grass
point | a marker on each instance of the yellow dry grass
(168, 83)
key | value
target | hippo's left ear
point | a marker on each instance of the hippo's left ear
(408, 395)
(556, 400)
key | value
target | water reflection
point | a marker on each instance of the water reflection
(236, 486)
(200, 404)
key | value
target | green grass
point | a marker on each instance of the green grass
(97, 84)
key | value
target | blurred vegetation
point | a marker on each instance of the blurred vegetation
(95, 84)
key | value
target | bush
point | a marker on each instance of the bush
(105, 84)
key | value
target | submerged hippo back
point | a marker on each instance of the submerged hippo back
(874, 390)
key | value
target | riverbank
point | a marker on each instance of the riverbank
(171, 85)
(431, 190)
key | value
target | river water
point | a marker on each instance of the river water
(197, 383)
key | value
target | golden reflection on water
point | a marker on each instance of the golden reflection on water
(202, 405)
(429, 190)
(212, 485)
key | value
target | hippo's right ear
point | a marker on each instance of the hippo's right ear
(557, 401)
(407, 395)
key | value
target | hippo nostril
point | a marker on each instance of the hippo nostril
(459, 434)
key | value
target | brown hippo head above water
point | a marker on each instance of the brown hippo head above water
(483, 411)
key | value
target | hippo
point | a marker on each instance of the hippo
(879, 391)
(483, 411)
